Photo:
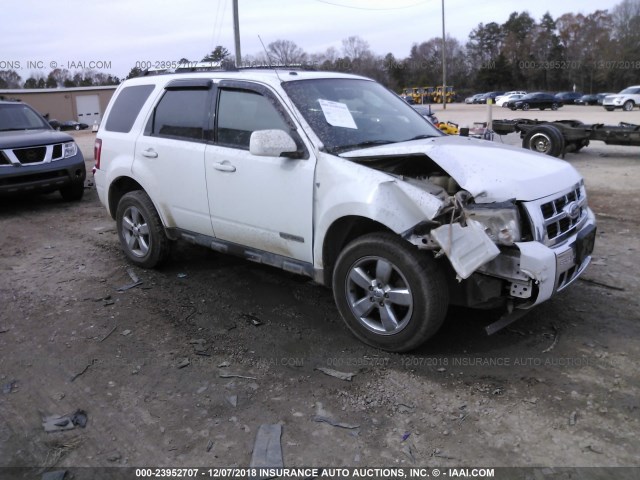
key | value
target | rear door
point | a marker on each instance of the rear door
(261, 202)
(170, 154)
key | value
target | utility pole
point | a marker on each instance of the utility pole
(236, 33)
(444, 65)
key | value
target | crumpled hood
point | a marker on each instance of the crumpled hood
(490, 171)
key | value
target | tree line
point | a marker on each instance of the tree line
(594, 52)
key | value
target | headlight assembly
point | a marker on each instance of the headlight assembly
(501, 221)
(70, 149)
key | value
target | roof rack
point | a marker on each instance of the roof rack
(223, 66)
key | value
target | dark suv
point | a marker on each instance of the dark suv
(36, 158)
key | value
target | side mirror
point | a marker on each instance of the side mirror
(272, 143)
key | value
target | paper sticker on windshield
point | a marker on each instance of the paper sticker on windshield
(337, 114)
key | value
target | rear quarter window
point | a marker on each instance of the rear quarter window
(126, 108)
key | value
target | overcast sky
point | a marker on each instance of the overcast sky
(115, 34)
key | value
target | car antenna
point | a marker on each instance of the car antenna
(269, 59)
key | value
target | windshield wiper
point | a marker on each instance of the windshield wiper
(355, 146)
(419, 137)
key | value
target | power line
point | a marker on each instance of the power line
(365, 8)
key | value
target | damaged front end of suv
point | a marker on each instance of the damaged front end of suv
(512, 232)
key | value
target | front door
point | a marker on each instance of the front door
(261, 202)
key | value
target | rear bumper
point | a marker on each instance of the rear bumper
(45, 177)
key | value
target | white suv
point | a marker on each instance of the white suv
(335, 177)
(626, 99)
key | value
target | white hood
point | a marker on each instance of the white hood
(491, 172)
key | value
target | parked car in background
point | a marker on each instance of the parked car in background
(539, 100)
(589, 99)
(504, 99)
(68, 125)
(34, 158)
(512, 92)
(626, 99)
(602, 96)
(487, 96)
(472, 98)
(568, 98)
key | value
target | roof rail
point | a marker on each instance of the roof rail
(223, 66)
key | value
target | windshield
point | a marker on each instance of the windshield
(348, 114)
(630, 90)
(20, 117)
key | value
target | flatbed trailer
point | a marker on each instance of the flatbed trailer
(562, 136)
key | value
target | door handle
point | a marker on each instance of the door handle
(150, 153)
(224, 166)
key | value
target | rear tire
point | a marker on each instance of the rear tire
(391, 295)
(73, 192)
(545, 139)
(554, 106)
(140, 230)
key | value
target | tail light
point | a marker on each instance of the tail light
(97, 150)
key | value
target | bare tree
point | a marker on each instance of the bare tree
(286, 52)
(10, 79)
(355, 48)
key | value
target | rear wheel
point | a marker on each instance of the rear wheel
(391, 295)
(73, 192)
(545, 139)
(554, 106)
(140, 230)
(628, 106)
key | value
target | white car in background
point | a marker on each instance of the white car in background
(502, 101)
(513, 92)
(626, 99)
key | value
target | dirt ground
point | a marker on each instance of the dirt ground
(560, 387)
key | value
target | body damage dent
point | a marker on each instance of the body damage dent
(468, 248)
(350, 189)
(538, 262)
(485, 169)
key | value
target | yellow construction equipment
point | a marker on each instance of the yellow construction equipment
(449, 128)
(444, 94)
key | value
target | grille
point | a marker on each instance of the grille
(30, 155)
(4, 160)
(57, 151)
(563, 214)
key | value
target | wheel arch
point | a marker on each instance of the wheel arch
(340, 233)
(118, 188)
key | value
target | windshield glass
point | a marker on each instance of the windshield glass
(20, 117)
(348, 114)
(629, 90)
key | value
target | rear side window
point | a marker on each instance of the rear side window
(181, 114)
(126, 108)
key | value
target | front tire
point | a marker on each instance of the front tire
(391, 295)
(73, 192)
(628, 106)
(554, 106)
(525, 106)
(140, 230)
